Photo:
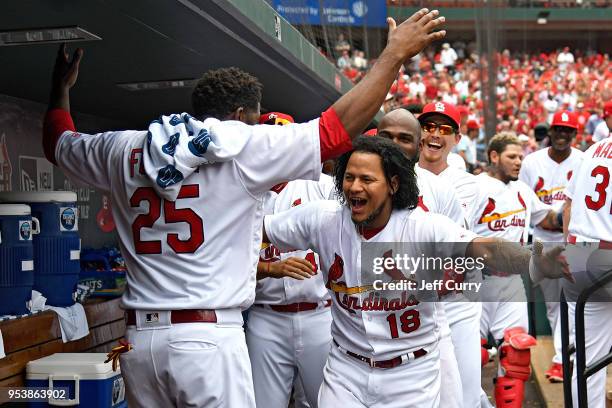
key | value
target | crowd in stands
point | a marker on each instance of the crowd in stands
(530, 88)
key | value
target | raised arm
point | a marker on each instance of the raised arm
(357, 108)
(58, 119)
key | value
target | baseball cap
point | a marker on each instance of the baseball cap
(371, 132)
(441, 108)
(607, 109)
(565, 118)
(473, 124)
(275, 118)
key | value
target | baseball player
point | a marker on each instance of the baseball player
(385, 350)
(440, 123)
(509, 206)
(547, 172)
(589, 224)
(191, 233)
(459, 382)
(288, 335)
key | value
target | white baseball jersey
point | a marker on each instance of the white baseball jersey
(438, 196)
(591, 194)
(288, 290)
(507, 209)
(384, 330)
(548, 180)
(601, 132)
(467, 190)
(200, 251)
(456, 161)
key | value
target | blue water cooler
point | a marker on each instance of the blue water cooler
(16, 258)
(57, 246)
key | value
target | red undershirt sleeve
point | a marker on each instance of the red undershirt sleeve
(57, 121)
(333, 136)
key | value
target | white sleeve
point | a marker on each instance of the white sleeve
(539, 210)
(88, 159)
(299, 227)
(525, 172)
(571, 185)
(275, 154)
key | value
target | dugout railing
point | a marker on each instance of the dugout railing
(583, 372)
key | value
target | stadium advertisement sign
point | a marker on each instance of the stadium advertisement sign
(371, 13)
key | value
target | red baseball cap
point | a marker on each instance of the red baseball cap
(275, 118)
(607, 109)
(565, 118)
(441, 108)
(473, 124)
(371, 132)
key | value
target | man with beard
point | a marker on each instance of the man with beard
(385, 351)
(508, 208)
(461, 377)
(547, 172)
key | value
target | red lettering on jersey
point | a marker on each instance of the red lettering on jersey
(270, 254)
(569, 174)
(136, 160)
(422, 204)
(296, 202)
(597, 151)
(606, 151)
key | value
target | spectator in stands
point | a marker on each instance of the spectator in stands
(341, 45)
(416, 89)
(565, 58)
(466, 148)
(359, 61)
(344, 61)
(448, 57)
(602, 130)
(594, 120)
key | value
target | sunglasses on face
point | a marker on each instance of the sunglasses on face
(443, 130)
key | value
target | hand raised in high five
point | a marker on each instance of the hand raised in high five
(65, 73)
(415, 33)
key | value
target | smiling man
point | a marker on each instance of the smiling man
(509, 207)
(439, 182)
(547, 172)
(440, 134)
(384, 354)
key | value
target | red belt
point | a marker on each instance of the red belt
(571, 239)
(176, 316)
(394, 362)
(297, 307)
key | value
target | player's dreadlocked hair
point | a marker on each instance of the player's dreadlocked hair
(499, 142)
(394, 163)
(221, 91)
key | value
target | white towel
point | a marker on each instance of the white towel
(73, 321)
(177, 145)
(2, 355)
